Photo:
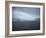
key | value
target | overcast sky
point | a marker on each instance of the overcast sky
(25, 13)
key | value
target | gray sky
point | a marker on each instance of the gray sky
(25, 13)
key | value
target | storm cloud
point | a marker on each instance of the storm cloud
(25, 13)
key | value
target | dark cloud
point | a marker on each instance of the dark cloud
(25, 13)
